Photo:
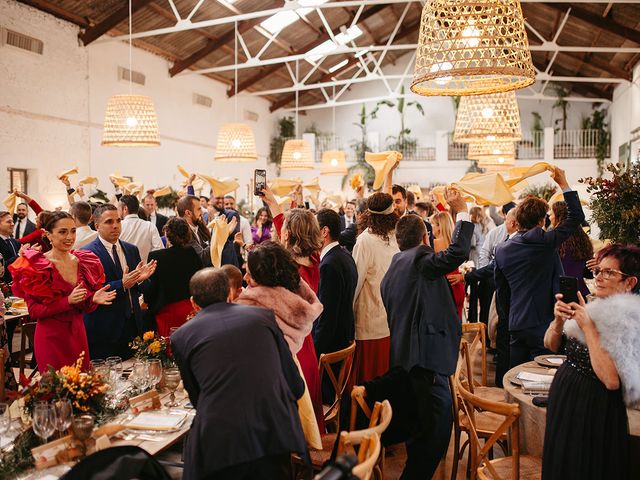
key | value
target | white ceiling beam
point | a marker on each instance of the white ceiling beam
(185, 24)
(175, 10)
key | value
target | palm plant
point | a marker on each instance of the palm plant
(360, 147)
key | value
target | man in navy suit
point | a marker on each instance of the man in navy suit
(110, 328)
(9, 247)
(334, 329)
(528, 270)
(425, 329)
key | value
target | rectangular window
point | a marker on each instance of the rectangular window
(17, 179)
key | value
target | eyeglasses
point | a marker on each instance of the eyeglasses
(608, 273)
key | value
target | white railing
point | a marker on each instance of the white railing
(531, 146)
(576, 144)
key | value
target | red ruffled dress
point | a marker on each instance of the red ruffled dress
(307, 355)
(60, 334)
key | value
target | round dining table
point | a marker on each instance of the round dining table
(533, 419)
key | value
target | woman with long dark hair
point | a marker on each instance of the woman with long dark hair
(261, 228)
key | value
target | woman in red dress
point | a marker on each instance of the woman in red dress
(59, 286)
(443, 226)
(300, 234)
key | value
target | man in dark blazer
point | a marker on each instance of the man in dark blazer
(242, 380)
(151, 207)
(528, 271)
(23, 226)
(9, 247)
(110, 328)
(425, 329)
(401, 205)
(334, 329)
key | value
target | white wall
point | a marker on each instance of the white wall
(52, 108)
(625, 113)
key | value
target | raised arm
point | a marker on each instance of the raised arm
(575, 214)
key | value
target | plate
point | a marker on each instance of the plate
(516, 381)
(553, 361)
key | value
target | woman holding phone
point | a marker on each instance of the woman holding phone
(587, 433)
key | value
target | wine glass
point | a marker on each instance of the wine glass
(171, 381)
(63, 414)
(82, 426)
(155, 372)
(5, 419)
(44, 421)
(140, 375)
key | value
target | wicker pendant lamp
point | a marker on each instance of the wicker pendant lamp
(483, 151)
(499, 161)
(236, 142)
(296, 154)
(130, 120)
(333, 163)
(493, 117)
(472, 48)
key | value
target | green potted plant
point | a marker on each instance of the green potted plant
(360, 147)
(597, 121)
(286, 131)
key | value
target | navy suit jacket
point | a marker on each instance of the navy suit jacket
(528, 270)
(423, 320)
(9, 255)
(334, 329)
(108, 321)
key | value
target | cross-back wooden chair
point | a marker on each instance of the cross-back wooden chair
(342, 361)
(483, 467)
(468, 350)
(479, 331)
(368, 452)
(27, 333)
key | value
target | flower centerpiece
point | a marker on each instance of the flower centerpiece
(615, 203)
(86, 390)
(151, 345)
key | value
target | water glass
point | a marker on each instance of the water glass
(171, 381)
(155, 372)
(63, 414)
(82, 426)
(44, 421)
(140, 375)
(115, 370)
(5, 419)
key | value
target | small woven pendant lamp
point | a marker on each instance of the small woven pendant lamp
(483, 151)
(472, 48)
(296, 154)
(488, 118)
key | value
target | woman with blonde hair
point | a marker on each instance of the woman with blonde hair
(373, 251)
(442, 231)
(299, 232)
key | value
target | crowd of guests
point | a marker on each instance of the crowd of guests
(383, 271)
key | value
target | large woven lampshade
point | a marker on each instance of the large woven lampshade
(333, 163)
(236, 144)
(472, 48)
(296, 155)
(130, 121)
(491, 150)
(487, 118)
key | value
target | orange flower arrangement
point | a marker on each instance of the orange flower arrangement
(151, 345)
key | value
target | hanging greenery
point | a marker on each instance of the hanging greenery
(562, 104)
(286, 131)
(615, 203)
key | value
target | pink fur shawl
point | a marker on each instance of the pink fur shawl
(295, 312)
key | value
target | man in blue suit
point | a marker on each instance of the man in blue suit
(110, 328)
(528, 270)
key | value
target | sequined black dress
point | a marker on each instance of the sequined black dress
(587, 431)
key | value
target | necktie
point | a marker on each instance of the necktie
(120, 273)
(17, 235)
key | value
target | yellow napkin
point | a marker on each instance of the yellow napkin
(334, 200)
(219, 235)
(284, 186)
(66, 173)
(184, 173)
(313, 185)
(11, 202)
(307, 415)
(284, 200)
(161, 192)
(88, 181)
(486, 188)
(356, 181)
(382, 163)
(19, 304)
(438, 191)
(133, 188)
(118, 179)
(515, 175)
(220, 187)
(417, 192)
(313, 198)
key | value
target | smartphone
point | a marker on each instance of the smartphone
(306, 205)
(569, 289)
(259, 181)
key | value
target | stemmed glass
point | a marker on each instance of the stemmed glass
(63, 414)
(100, 368)
(171, 381)
(5, 419)
(82, 428)
(140, 375)
(44, 421)
(155, 372)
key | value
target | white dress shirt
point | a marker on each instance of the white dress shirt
(326, 249)
(84, 235)
(491, 241)
(21, 225)
(142, 234)
(245, 228)
(109, 247)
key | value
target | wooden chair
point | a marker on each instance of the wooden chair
(487, 423)
(510, 467)
(478, 343)
(3, 374)
(28, 332)
(478, 329)
(342, 361)
(368, 452)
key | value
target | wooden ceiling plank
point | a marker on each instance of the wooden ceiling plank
(93, 33)
(597, 21)
(58, 12)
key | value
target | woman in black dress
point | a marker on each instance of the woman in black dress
(587, 432)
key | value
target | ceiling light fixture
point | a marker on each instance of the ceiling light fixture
(296, 154)
(488, 117)
(334, 161)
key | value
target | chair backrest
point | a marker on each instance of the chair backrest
(342, 361)
(28, 332)
(481, 449)
(379, 417)
(479, 342)
(368, 453)
(3, 374)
